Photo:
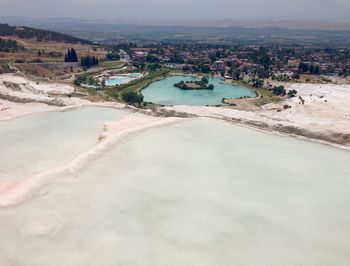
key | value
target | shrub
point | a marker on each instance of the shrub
(132, 97)
(292, 93)
(279, 91)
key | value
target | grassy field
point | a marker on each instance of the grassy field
(265, 97)
(50, 70)
(111, 64)
(50, 51)
(5, 68)
(45, 59)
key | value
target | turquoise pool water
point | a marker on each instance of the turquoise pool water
(137, 75)
(122, 79)
(164, 92)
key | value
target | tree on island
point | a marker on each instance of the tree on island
(71, 56)
(195, 85)
(205, 80)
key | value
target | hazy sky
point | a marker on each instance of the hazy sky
(338, 10)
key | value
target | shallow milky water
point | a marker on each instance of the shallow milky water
(196, 193)
(34, 143)
(164, 92)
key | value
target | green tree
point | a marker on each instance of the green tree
(88, 61)
(74, 55)
(279, 90)
(132, 97)
(71, 56)
(205, 68)
(205, 80)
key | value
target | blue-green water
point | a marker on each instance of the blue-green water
(164, 92)
(122, 79)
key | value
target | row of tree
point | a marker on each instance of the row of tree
(112, 56)
(309, 68)
(281, 91)
(89, 61)
(85, 61)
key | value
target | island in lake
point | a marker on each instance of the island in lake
(202, 84)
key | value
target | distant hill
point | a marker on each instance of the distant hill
(282, 24)
(40, 35)
(68, 25)
(10, 46)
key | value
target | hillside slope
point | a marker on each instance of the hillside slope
(40, 35)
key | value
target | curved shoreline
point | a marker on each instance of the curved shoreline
(323, 115)
(12, 194)
(177, 111)
(198, 77)
(42, 107)
(139, 120)
(288, 132)
(283, 128)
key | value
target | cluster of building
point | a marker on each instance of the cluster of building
(265, 61)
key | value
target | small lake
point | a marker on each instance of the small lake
(164, 92)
